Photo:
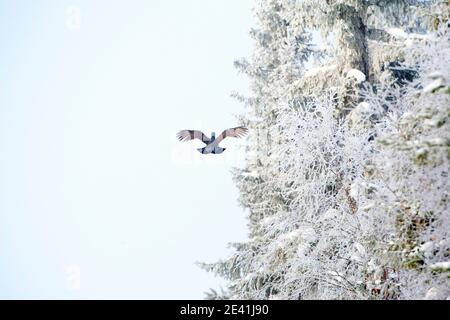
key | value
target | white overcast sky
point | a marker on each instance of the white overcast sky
(97, 198)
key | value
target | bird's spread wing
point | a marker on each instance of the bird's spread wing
(237, 132)
(186, 135)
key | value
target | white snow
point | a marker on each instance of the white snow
(445, 265)
(434, 85)
(354, 190)
(435, 75)
(292, 235)
(421, 152)
(410, 39)
(409, 43)
(359, 247)
(363, 106)
(432, 294)
(359, 254)
(302, 249)
(268, 220)
(430, 122)
(336, 275)
(252, 173)
(436, 141)
(307, 236)
(397, 32)
(356, 74)
(329, 214)
(407, 116)
(427, 248)
(368, 206)
(414, 39)
(317, 70)
(443, 244)
(249, 276)
(360, 112)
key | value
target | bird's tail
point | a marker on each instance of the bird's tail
(216, 150)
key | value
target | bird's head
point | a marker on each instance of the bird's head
(213, 135)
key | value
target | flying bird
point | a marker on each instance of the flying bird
(212, 144)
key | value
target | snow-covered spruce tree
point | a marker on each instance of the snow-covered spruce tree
(409, 254)
(347, 167)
